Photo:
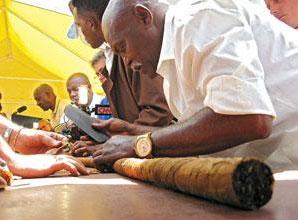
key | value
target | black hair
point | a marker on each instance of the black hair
(96, 6)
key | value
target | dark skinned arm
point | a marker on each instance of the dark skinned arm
(115, 126)
(205, 132)
(208, 132)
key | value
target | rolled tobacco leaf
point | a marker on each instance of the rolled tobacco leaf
(87, 161)
(242, 182)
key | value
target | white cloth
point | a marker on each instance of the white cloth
(237, 59)
(109, 54)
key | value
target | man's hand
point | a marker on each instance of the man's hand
(113, 126)
(115, 148)
(84, 148)
(31, 141)
(42, 165)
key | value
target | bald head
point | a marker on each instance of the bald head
(45, 97)
(44, 88)
(73, 83)
(134, 29)
(118, 9)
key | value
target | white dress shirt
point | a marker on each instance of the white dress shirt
(237, 59)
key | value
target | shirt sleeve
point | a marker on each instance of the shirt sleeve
(225, 64)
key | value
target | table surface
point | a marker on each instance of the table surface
(111, 196)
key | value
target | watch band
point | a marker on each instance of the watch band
(6, 134)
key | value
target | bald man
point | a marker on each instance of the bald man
(77, 80)
(227, 67)
(46, 99)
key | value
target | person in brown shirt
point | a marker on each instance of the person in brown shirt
(132, 98)
(137, 101)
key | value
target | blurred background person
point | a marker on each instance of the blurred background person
(46, 99)
(80, 80)
(98, 63)
(45, 125)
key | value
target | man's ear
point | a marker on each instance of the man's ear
(143, 14)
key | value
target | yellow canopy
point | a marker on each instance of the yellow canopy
(34, 49)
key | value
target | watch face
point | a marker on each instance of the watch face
(143, 147)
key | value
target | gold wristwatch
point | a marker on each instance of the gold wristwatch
(143, 145)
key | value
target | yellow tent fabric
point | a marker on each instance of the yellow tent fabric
(34, 49)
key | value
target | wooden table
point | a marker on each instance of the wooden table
(111, 196)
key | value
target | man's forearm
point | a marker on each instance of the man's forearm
(208, 132)
(135, 129)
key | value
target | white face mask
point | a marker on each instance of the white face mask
(83, 95)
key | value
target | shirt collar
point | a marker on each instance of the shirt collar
(167, 48)
(109, 54)
(56, 106)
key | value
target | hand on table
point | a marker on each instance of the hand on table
(84, 148)
(115, 148)
(31, 141)
(42, 165)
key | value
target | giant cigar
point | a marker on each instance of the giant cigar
(242, 182)
(87, 161)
